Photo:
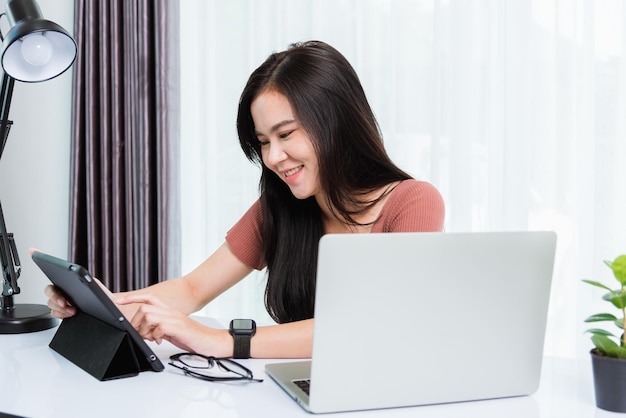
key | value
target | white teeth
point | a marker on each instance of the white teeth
(292, 171)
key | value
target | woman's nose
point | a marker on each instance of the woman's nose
(275, 154)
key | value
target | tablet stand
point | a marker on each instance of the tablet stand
(100, 349)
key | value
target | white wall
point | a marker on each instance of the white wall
(34, 168)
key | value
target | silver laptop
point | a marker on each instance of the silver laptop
(409, 319)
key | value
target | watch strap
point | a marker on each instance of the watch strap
(242, 346)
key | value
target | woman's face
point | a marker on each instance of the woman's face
(285, 146)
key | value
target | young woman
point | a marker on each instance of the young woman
(303, 116)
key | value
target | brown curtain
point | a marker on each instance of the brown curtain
(121, 137)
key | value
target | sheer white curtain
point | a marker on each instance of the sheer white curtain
(515, 110)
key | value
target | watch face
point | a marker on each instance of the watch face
(243, 324)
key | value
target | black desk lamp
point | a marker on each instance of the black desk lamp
(33, 50)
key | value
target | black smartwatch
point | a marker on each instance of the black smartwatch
(242, 331)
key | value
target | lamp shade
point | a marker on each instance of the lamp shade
(35, 49)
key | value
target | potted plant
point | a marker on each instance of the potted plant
(609, 355)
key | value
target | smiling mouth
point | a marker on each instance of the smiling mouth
(293, 171)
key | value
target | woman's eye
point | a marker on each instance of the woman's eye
(285, 134)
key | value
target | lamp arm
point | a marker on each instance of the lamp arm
(6, 93)
(10, 262)
(8, 252)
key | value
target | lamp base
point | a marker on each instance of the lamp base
(24, 317)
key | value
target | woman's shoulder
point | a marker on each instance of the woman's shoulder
(413, 205)
(411, 188)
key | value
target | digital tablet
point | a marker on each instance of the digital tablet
(82, 291)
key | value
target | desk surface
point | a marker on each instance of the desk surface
(37, 382)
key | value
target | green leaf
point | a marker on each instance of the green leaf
(597, 284)
(619, 269)
(603, 343)
(598, 331)
(616, 298)
(619, 352)
(619, 322)
(601, 317)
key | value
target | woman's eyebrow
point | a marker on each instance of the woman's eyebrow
(277, 126)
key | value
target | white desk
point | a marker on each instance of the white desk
(37, 382)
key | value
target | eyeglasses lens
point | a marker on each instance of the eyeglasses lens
(232, 367)
(196, 362)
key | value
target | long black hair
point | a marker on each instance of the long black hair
(328, 100)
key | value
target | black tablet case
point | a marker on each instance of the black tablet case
(98, 348)
(93, 343)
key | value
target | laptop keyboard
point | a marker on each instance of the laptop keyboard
(303, 384)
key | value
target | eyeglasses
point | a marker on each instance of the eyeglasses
(227, 370)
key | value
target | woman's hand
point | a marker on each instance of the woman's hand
(155, 321)
(59, 306)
